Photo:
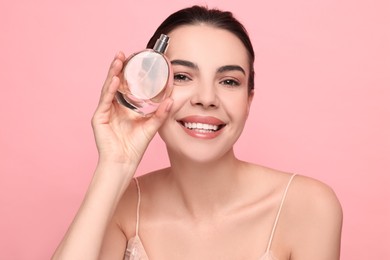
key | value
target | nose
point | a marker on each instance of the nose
(206, 96)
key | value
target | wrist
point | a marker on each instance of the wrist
(123, 170)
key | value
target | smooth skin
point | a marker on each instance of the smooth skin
(208, 204)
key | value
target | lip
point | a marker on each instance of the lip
(206, 122)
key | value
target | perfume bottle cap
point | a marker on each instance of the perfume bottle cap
(161, 43)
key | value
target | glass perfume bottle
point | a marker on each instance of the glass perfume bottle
(146, 79)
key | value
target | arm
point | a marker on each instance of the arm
(121, 138)
(317, 226)
(85, 235)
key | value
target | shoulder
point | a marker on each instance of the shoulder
(314, 196)
(140, 186)
(314, 217)
(125, 212)
(310, 195)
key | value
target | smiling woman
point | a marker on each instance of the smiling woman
(208, 204)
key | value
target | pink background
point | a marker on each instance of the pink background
(321, 108)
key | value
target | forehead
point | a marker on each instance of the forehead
(205, 44)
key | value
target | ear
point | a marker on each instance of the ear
(250, 99)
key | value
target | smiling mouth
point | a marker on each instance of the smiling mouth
(201, 127)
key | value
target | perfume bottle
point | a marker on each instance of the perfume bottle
(146, 79)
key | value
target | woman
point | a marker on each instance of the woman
(208, 204)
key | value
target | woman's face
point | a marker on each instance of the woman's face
(211, 101)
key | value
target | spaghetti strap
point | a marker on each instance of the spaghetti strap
(278, 214)
(135, 249)
(138, 206)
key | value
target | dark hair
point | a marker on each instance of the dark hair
(214, 17)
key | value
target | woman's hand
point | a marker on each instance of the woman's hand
(122, 135)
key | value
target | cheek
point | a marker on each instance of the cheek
(179, 95)
(237, 105)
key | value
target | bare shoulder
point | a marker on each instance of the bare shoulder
(125, 213)
(313, 220)
(314, 196)
(122, 226)
(306, 197)
(141, 184)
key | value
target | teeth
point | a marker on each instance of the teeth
(201, 126)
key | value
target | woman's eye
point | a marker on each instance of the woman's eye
(230, 82)
(181, 77)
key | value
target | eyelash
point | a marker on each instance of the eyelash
(184, 78)
(181, 77)
(230, 82)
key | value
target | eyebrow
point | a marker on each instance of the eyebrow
(185, 63)
(222, 69)
(231, 68)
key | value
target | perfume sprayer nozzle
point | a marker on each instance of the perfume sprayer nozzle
(161, 43)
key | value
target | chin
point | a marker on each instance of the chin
(205, 155)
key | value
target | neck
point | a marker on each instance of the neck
(205, 187)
